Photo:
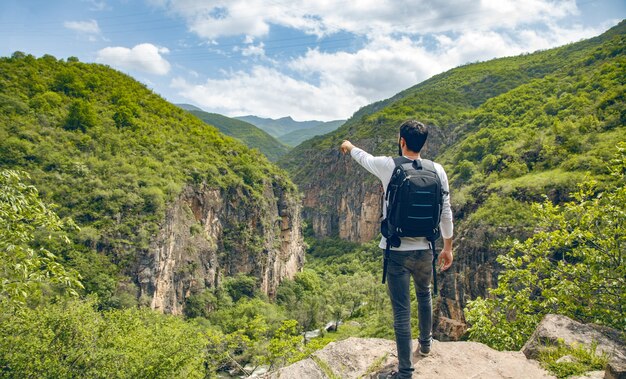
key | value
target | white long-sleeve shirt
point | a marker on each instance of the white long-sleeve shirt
(383, 168)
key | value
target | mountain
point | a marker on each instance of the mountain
(249, 134)
(168, 207)
(189, 107)
(298, 136)
(280, 126)
(283, 128)
(508, 131)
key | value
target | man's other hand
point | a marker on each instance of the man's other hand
(346, 146)
(445, 258)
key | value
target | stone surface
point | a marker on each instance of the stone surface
(304, 369)
(201, 242)
(556, 327)
(365, 358)
(616, 369)
(590, 375)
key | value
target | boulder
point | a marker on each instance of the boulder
(555, 328)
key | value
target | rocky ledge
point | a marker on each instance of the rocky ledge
(367, 357)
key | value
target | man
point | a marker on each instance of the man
(413, 258)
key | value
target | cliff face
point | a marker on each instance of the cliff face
(209, 234)
(343, 200)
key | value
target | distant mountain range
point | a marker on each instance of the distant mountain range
(249, 134)
(285, 130)
(292, 132)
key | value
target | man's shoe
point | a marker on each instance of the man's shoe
(424, 350)
(388, 375)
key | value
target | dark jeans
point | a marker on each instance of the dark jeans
(402, 266)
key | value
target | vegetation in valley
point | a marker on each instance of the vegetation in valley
(48, 330)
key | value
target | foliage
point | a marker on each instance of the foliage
(81, 116)
(283, 346)
(583, 360)
(71, 339)
(572, 265)
(240, 286)
(29, 226)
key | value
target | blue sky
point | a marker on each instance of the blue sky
(309, 59)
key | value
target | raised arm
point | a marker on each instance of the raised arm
(378, 166)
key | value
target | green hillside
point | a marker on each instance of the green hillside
(112, 154)
(249, 134)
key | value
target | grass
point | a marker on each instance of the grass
(325, 368)
(584, 359)
(377, 365)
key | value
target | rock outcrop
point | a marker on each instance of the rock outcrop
(555, 329)
(366, 358)
(209, 234)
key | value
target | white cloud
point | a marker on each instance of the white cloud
(217, 18)
(252, 50)
(267, 92)
(335, 85)
(96, 5)
(87, 27)
(405, 42)
(144, 57)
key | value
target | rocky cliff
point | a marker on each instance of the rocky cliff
(210, 234)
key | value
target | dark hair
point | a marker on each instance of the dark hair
(414, 134)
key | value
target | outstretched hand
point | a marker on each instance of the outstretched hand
(346, 146)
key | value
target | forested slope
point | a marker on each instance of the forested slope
(167, 205)
(252, 136)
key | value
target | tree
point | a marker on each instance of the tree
(573, 265)
(81, 116)
(284, 345)
(24, 265)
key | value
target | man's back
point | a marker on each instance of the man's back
(382, 167)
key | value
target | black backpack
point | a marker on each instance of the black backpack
(414, 204)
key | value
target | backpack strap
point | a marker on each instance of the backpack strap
(435, 256)
(386, 261)
(428, 165)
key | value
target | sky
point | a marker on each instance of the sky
(308, 59)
